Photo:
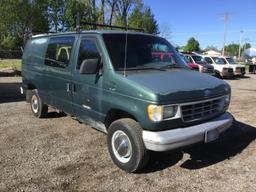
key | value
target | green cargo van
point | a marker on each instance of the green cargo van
(115, 82)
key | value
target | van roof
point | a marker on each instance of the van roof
(91, 32)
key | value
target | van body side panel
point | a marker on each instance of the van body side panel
(33, 69)
(57, 94)
(58, 79)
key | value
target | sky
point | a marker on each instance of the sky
(203, 19)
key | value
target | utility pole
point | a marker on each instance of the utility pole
(225, 17)
(240, 44)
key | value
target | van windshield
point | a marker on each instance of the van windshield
(143, 52)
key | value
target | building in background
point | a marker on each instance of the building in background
(212, 53)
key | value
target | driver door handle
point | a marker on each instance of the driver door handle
(68, 88)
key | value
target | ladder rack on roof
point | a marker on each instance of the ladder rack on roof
(94, 25)
(111, 26)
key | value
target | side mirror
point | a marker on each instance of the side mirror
(89, 66)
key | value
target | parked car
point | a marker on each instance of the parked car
(221, 69)
(202, 65)
(118, 88)
(162, 56)
(237, 68)
(192, 66)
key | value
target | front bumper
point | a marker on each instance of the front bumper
(239, 72)
(227, 74)
(179, 137)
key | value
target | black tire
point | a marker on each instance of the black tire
(38, 108)
(218, 75)
(139, 155)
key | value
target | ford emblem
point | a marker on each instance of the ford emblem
(207, 93)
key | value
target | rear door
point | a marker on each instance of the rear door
(58, 72)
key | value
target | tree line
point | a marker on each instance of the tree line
(20, 18)
(232, 49)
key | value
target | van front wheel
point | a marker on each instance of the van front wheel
(38, 108)
(126, 146)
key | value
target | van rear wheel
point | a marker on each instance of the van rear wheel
(126, 146)
(38, 108)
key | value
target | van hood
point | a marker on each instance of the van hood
(208, 66)
(235, 65)
(179, 85)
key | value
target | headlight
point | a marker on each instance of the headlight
(169, 111)
(204, 69)
(226, 102)
(155, 113)
(227, 99)
(158, 113)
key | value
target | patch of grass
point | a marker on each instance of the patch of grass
(15, 64)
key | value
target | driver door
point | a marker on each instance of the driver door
(87, 87)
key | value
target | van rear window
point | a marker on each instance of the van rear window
(59, 51)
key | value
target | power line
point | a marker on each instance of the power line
(208, 33)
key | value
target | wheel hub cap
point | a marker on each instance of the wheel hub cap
(34, 103)
(121, 146)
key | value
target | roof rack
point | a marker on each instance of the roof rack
(40, 32)
(78, 28)
(110, 26)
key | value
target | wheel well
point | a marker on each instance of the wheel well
(30, 87)
(115, 114)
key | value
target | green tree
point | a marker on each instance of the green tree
(192, 45)
(232, 49)
(142, 17)
(10, 42)
(32, 15)
(123, 8)
(61, 15)
(247, 45)
(150, 24)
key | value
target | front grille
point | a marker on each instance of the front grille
(202, 109)
(230, 70)
(242, 69)
(210, 70)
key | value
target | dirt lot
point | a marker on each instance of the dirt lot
(59, 154)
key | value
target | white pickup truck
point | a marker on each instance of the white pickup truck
(221, 68)
(238, 69)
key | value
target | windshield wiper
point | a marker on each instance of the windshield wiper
(144, 68)
(170, 66)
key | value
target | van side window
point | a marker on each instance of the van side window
(59, 51)
(208, 60)
(88, 50)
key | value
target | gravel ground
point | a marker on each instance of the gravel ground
(60, 154)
